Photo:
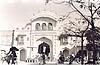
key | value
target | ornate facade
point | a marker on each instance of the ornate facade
(44, 27)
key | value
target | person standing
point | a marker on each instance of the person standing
(12, 53)
(43, 57)
(62, 58)
(71, 58)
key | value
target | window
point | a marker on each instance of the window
(50, 27)
(64, 41)
(27, 38)
(28, 28)
(21, 40)
(37, 26)
(44, 26)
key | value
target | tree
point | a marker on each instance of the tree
(90, 11)
(93, 9)
(75, 27)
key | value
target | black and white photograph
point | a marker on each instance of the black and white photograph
(49, 32)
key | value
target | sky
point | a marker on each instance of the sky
(17, 13)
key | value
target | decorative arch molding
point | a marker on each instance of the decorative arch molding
(48, 41)
(46, 37)
(22, 54)
(43, 39)
(45, 14)
(44, 19)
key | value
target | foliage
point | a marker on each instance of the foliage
(89, 12)
(90, 37)
(73, 26)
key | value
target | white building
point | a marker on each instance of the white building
(43, 27)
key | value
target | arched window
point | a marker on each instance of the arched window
(66, 52)
(37, 26)
(64, 41)
(44, 27)
(50, 27)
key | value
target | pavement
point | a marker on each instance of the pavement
(47, 63)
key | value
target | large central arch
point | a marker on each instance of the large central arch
(48, 42)
(22, 55)
(44, 48)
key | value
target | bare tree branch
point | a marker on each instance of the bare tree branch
(96, 10)
(80, 13)
(65, 16)
(70, 13)
(86, 28)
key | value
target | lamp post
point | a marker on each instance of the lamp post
(12, 38)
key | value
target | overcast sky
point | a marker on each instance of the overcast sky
(16, 13)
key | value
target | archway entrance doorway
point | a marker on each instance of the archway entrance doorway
(44, 48)
(22, 55)
(45, 42)
(66, 52)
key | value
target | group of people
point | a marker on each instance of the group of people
(44, 50)
(11, 56)
(61, 58)
(73, 57)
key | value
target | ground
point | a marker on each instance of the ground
(48, 63)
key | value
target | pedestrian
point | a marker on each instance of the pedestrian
(61, 59)
(43, 57)
(61, 53)
(12, 53)
(71, 58)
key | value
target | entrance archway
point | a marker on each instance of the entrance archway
(48, 43)
(66, 52)
(22, 55)
(44, 48)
